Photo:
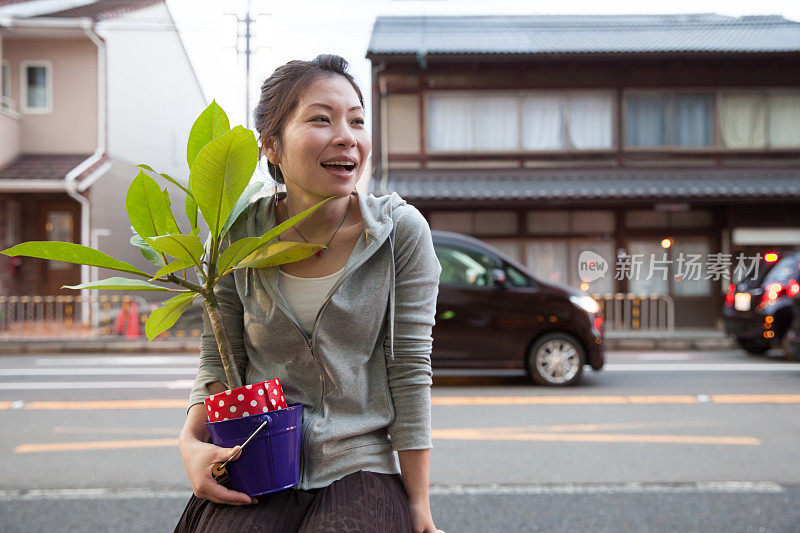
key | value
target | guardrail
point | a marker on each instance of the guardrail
(636, 312)
(55, 317)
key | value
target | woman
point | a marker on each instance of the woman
(347, 331)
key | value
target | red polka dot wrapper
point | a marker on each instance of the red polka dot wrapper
(242, 401)
(275, 399)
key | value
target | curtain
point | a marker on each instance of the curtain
(450, 122)
(605, 249)
(646, 120)
(742, 120)
(784, 120)
(649, 256)
(693, 119)
(692, 282)
(547, 260)
(37, 86)
(543, 123)
(496, 123)
(591, 121)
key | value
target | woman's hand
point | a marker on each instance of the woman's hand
(198, 460)
(421, 518)
(199, 457)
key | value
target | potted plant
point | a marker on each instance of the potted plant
(222, 161)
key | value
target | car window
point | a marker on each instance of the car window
(783, 271)
(517, 278)
(464, 267)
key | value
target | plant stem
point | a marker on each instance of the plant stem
(224, 343)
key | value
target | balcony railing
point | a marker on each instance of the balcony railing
(8, 105)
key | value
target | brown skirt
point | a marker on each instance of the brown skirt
(363, 501)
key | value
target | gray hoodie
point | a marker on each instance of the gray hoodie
(364, 373)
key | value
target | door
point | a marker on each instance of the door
(58, 220)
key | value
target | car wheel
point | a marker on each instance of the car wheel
(556, 359)
(752, 347)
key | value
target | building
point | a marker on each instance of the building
(548, 136)
(89, 89)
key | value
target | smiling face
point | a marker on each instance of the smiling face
(327, 125)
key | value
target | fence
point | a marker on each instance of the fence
(636, 312)
(55, 317)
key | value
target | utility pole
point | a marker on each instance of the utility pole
(247, 37)
(246, 47)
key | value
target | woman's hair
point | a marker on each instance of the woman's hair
(281, 92)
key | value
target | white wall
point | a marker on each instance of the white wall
(153, 95)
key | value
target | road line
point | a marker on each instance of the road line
(617, 399)
(701, 367)
(114, 431)
(129, 360)
(489, 489)
(96, 445)
(161, 371)
(681, 399)
(78, 385)
(729, 487)
(106, 405)
(494, 434)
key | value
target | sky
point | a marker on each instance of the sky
(302, 29)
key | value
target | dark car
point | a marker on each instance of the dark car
(494, 313)
(758, 312)
(791, 342)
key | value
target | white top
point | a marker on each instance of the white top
(305, 295)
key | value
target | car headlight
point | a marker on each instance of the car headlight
(587, 303)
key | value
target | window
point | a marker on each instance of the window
(517, 278)
(464, 267)
(36, 87)
(759, 119)
(514, 121)
(5, 80)
(661, 120)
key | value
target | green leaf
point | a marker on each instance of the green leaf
(237, 251)
(165, 316)
(71, 253)
(167, 177)
(241, 204)
(118, 284)
(174, 266)
(184, 247)
(145, 205)
(191, 211)
(278, 253)
(171, 223)
(147, 250)
(245, 246)
(221, 173)
(212, 123)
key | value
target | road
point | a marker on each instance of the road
(657, 441)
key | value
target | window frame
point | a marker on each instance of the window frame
(520, 94)
(671, 94)
(23, 104)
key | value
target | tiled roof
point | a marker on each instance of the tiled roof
(103, 9)
(593, 34)
(605, 184)
(46, 167)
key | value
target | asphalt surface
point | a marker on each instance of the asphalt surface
(657, 441)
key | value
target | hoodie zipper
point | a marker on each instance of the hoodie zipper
(310, 343)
